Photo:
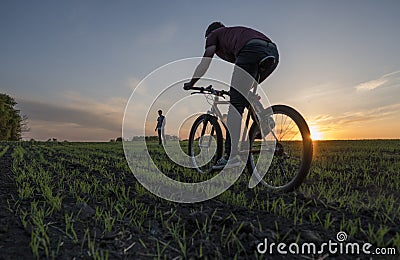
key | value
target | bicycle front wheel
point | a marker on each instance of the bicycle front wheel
(292, 157)
(205, 143)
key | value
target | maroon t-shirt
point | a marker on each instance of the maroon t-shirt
(230, 40)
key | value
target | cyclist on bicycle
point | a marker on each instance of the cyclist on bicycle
(244, 47)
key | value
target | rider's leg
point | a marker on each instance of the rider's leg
(253, 52)
(243, 77)
(235, 112)
(241, 83)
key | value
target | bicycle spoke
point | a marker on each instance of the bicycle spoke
(287, 162)
(205, 143)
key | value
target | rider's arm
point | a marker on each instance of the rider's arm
(204, 64)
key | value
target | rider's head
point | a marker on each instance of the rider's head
(213, 26)
(160, 112)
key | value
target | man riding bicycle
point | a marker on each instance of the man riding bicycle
(245, 47)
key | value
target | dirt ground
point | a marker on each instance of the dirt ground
(206, 226)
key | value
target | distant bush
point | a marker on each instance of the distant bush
(12, 124)
(154, 138)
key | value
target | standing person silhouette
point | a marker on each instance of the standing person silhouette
(160, 127)
(245, 47)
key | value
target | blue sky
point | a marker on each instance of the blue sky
(72, 65)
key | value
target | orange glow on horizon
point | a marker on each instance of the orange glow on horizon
(316, 134)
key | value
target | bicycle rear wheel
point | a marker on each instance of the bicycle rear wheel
(205, 143)
(292, 157)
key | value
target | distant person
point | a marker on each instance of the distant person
(245, 47)
(160, 127)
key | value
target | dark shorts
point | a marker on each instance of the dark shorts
(248, 59)
(252, 53)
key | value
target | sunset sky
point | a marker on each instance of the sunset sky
(72, 65)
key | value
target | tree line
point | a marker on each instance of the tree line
(12, 123)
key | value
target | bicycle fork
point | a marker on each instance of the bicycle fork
(205, 123)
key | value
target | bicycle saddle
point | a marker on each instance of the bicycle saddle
(266, 63)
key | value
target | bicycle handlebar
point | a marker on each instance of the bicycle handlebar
(211, 90)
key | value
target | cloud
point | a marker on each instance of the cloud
(387, 80)
(43, 130)
(366, 115)
(160, 35)
(78, 118)
(133, 83)
(329, 123)
(372, 84)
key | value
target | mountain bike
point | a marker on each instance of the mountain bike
(292, 152)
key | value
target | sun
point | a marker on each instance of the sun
(315, 133)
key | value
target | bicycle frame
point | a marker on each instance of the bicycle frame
(215, 111)
(292, 163)
(214, 107)
(251, 113)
